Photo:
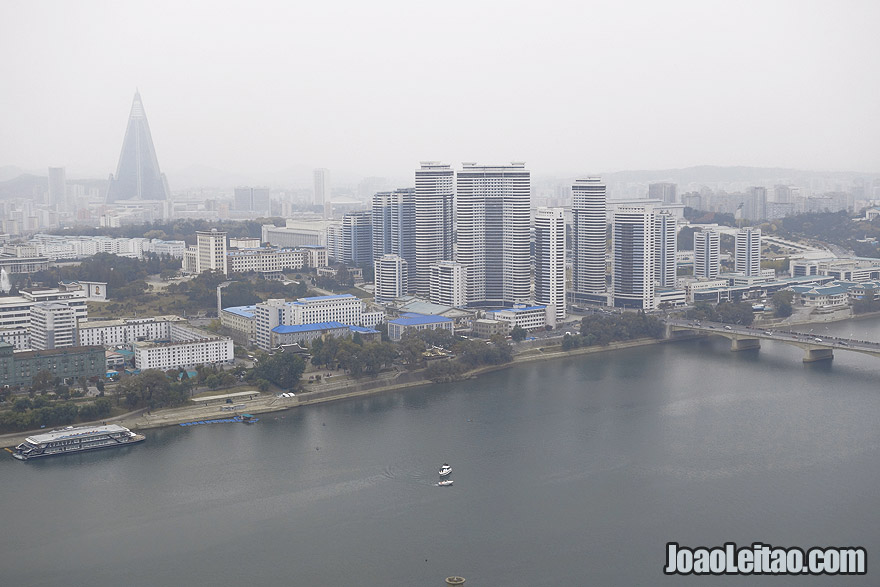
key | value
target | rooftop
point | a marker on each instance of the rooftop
(410, 319)
(323, 298)
(294, 328)
(243, 311)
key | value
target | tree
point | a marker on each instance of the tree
(282, 369)
(782, 303)
(518, 334)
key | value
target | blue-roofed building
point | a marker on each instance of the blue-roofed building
(240, 319)
(366, 334)
(822, 296)
(412, 321)
(306, 333)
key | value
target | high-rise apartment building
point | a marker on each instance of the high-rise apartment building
(393, 222)
(707, 251)
(665, 191)
(211, 251)
(321, 196)
(666, 245)
(447, 284)
(633, 246)
(758, 204)
(588, 236)
(57, 188)
(390, 278)
(492, 217)
(433, 213)
(357, 238)
(52, 325)
(250, 199)
(137, 174)
(747, 249)
(550, 259)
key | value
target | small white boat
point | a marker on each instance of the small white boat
(445, 470)
(444, 482)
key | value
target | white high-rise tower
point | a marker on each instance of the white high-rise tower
(588, 236)
(707, 249)
(433, 209)
(665, 269)
(393, 221)
(550, 259)
(492, 217)
(748, 251)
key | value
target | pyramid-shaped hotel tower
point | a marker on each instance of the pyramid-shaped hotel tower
(137, 175)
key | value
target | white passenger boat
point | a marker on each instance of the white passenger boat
(445, 470)
(69, 440)
(445, 482)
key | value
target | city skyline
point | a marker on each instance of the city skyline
(724, 102)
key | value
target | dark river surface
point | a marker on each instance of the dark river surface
(568, 472)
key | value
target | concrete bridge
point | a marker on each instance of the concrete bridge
(816, 347)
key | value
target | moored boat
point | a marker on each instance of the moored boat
(75, 439)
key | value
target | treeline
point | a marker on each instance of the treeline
(154, 389)
(726, 312)
(603, 329)
(865, 305)
(281, 369)
(27, 414)
(125, 276)
(831, 227)
(353, 355)
(178, 230)
(248, 289)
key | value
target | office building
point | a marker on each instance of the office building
(344, 308)
(357, 238)
(589, 236)
(251, 199)
(707, 253)
(321, 196)
(137, 174)
(747, 250)
(57, 197)
(68, 364)
(433, 209)
(634, 257)
(52, 325)
(666, 245)
(211, 251)
(492, 218)
(415, 323)
(550, 259)
(663, 191)
(447, 284)
(393, 225)
(390, 271)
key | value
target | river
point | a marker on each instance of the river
(569, 472)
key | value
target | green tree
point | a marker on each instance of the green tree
(518, 333)
(781, 301)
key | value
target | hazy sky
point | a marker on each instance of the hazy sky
(373, 87)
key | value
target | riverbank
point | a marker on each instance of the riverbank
(267, 403)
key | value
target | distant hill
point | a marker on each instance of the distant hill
(24, 186)
(8, 172)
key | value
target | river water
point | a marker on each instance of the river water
(570, 472)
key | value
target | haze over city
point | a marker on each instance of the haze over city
(371, 89)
